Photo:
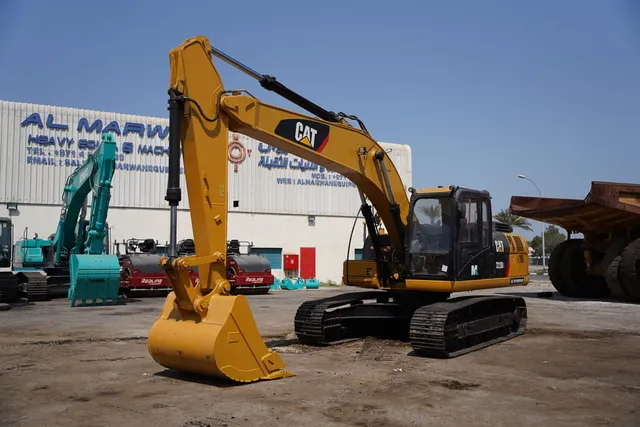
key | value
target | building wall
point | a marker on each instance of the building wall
(271, 193)
(41, 145)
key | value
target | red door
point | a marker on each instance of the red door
(307, 263)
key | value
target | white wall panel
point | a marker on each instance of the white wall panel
(268, 181)
(40, 146)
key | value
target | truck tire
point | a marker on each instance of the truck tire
(578, 283)
(554, 267)
(629, 270)
(612, 278)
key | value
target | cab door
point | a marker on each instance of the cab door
(474, 257)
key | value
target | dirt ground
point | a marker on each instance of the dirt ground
(577, 365)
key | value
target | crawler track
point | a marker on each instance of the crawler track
(9, 287)
(456, 327)
(439, 329)
(37, 287)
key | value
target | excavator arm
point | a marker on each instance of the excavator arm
(209, 112)
(202, 113)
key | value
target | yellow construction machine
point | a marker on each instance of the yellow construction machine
(437, 240)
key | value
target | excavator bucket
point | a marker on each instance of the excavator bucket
(94, 277)
(225, 343)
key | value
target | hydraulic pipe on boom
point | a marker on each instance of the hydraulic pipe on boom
(204, 329)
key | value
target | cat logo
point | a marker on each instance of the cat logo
(313, 135)
(305, 134)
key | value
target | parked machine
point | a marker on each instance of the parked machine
(248, 273)
(75, 261)
(29, 256)
(605, 262)
(79, 248)
(10, 281)
(203, 329)
(140, 272)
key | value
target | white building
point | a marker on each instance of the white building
(284, 205)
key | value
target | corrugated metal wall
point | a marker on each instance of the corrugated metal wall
(40, 146)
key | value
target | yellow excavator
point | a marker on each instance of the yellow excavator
(437, 240)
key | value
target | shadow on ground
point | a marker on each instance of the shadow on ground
(559, 297)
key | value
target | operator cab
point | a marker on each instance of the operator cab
(449, 234)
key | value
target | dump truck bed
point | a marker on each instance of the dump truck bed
(607, 207)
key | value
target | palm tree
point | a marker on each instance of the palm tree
(513, 220)
(432, 212)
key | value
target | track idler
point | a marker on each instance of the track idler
(224, 342)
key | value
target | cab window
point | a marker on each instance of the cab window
(469, 231)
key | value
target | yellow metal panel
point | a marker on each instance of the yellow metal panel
(464, 285)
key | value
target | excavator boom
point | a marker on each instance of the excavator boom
(202, 328)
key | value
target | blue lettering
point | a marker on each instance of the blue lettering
(157, 130)
(87, 144)
(65, 141)
(130, 127)
(97, 125)
(52, 125)
(41, 140)
(159, 150)
(112, 127)
(315, 182)
(127, 147)
(144, 149)
(265, 148)
(41, 160)
(33, 119)
(73, 163)
(279, 162)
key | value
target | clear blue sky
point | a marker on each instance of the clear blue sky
(481, 90)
